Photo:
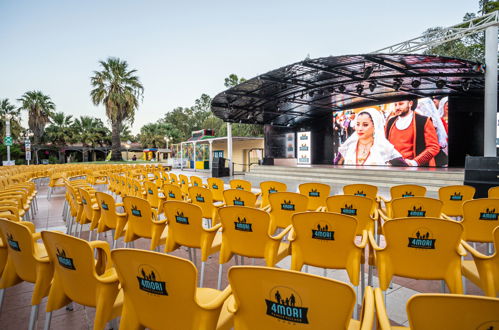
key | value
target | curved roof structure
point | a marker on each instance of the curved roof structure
(312, 88)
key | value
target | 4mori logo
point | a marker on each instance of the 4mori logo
(64, 260)
(242, 225)
(199, 198)
(238, 202)
(313, 193)
(104, 206)
(171, 194)
(349, 210)
(285, 304)
(408, 194)
(489, 214)
(323, 232)
(150, 282)
(272, 190)
(136, 212)
(239, 187)
(456, 196)
(422, 239)
(360, 193)
(180, 218)
(13, 244)
(287, 206)
(416, 212)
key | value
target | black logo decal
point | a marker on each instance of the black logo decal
(416, 212)
(150, 191)
(179, 218)
(64, 260)
(360, 193)
(195, 184)
(287, 206)
(84, 201)
(14, 245)
(171, 194)
(149, 283)
(285, 304)
(408, 194)
(214, 186)
(104, 206)
(348, 210)
(242, 225)
(238, 202)
(199, 198)
(422, 240)
(456, 196)
(136, 211)
(314, 193)
(272, 190)
(239, 187)
(489, 214)
(323, 232)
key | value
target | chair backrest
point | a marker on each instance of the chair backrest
(196, 181)
(238, 197)
(317, 194)
(480, 218)
(356, 206)
(216, 185)
(453, 198)
(74, 266)
(172, 192)
(183, 180)
(245, 231)
(285, 299)
(203, 198)
(284, 205)
(424, 248)
(327, 240)
(493, 192)
(444, 311)
(139, 216)
(19, 240)
(416, 207)
(174, 179)
(240, 184)
(152, 193)
(185, 223)
(86, 201)
(270, 187)
(108, 209)
(361, 189)
(407, 190)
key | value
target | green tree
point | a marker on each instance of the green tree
(90, 132)
(40, 109)
(119, 90)
(126, 134)
(233, 80)
(153, 135)
(15, 126)
(60, 131)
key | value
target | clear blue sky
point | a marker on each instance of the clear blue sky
(182, 49)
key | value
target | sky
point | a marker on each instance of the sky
(182, 49)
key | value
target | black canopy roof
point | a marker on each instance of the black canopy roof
(312, 88)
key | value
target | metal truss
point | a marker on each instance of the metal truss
(444, 35)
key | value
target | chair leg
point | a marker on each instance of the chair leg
(70, 307)
(306, 268)
(89, 234)
(114, 243)
(236, 260)
(2, 293)
(194, 255)
(220, 270)
(464, 284)
(33, 317)
(324, 272)
(370, 275)
(489, 249)
(356, 307)
(113, 324)
(201, 278)
(253, 261)
(48, 319)
(443, 286)
(242, 260)
(362, 283)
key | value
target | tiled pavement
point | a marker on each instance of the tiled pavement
(16, 307)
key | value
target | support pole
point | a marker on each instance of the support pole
(490, 114)
(182, 156)
(229, 147)
(194, 155)
(210, 156)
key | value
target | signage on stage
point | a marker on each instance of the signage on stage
(304, 147)
(290, 145)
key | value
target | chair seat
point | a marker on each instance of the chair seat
(470, 271)
(205, 295)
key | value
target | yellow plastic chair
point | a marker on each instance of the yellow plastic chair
(152, 196)
(443, 311)
(184, 184)
(493, 192)
(361, 189)
(245, 232)
(27, 261)
(236, 197)
(480, 218)
(91, 211)
(174, 179)
(172, 192)
(110, 219)
(203, 198)
(282, 207)
(216, 186)
(285, 299)
(317, 194)
(81, 278)
(240, 184)
(196, 181)
(327, 240)
(270, 187)
(420, 248)
(185, 228)
(453, 198)
(414, 207)
(402, 191)
(160, 292)
(361, 208)
(483, 270)
(141, 223)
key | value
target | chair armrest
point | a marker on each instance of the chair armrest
(218, 301)
(381, 314)
(461, 250)
(267, 208)
(232, 305)
(383, 215)
(214, 228)
(474, 252)
(372, 242)
(374, 215)
(30, 225)
(363, 242)
(368, 307)
(381, 198)
(283, 233)
(109, 276)
(159, 222)
(36, 236)
(446, 217)
(121, 214)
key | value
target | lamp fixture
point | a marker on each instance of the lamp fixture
(341, 88)
(416, 83)
(465, 84)
(372, 85)
(367, 72)
(440, 84)
(397, 83)
(359, 88)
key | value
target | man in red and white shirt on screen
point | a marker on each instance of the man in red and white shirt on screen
(413, 135)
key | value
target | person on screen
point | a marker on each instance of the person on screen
(368, 145)
(443, 111)
(413, 135)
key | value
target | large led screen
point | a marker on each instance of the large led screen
(404, 133)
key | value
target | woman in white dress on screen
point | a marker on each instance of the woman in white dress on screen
(368, 144)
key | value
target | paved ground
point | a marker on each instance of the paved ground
(16, 307)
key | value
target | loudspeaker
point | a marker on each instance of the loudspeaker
(481, 173)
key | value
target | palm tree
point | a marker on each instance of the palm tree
(60, 132)
(91, 132)
(9, 109)
(40, 109)
(119, 90)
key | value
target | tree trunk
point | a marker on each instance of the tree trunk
(115, 141)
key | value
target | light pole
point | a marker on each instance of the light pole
(167, 139)
(27, 144)
(127, 146)
(8, 117)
